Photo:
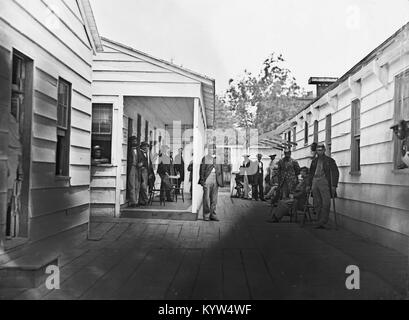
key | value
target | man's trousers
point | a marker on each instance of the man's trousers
(322, 200)
(210, 194)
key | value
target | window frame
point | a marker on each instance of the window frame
(328, 134)
(107, 135)
(306, 133)
(63, 132)
(316, 131)
(355, 136)
(397, 143)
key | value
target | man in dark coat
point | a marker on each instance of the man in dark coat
(258, 180)
(288, 171)
(164, 171)
(211, 178)
(135, 174)
(324, 182)
(180, 168)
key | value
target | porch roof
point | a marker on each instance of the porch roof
(208, 94)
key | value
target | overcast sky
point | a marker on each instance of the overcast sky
(221, 38)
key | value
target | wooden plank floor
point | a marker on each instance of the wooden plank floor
(240, 257)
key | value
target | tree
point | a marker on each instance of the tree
(266, 100)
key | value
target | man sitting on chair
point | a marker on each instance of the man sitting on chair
(296, 201)
(164, 171)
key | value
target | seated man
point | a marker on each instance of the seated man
(296, 201)
(164, 171)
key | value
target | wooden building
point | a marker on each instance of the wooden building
(353, 117)
(135, 94)
(46, 50)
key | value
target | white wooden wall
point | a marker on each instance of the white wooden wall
(138, 80)
(51, 33)
(374, 203)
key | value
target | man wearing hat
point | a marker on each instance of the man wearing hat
(147, 173)
(164, 171)
(135, 172)
(258, 180)
(211, 178)
(325, 176)
(288, 171)
(271, 178)
(245, 173)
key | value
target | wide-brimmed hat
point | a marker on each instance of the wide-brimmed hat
(273, 156)
(145, 145)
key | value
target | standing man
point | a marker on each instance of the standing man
(258, 188)
(246, 179)
(325, 176)
(135, 173)
(164, 171)
(211, 178)
(147, 173)
(288, 171)
(180, 168)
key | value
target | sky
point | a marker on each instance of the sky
(222, 38)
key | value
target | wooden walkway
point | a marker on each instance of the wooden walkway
(240, 257)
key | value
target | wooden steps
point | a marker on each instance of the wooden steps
(28, 271)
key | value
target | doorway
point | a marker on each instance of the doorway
(20, 119)
(129, 155)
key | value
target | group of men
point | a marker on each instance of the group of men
(141, 175)
(320, 181)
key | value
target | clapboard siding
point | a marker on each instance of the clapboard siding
(140, 77)
(45, 106)
(80, 175)
(72, 5)
(383, 175)
(103, 196)
(80, 138)
(389, 218)
(378, 196)
(126, 66)
(25, 23)
(45, 226)
(51, 21)
(43, 150)
(58, 199)
(44, 58)
(70, 19)
(60, 50)
(80, 156)
(154, 89)
(396, 197)
(44, 128)
(43, 176)
(103, 182)
(115, 57)
(80, 120)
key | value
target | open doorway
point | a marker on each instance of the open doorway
(170, 118)
(19, 161)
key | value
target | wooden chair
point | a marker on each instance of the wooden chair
(308, 209)
(153, 193)
(178, 190)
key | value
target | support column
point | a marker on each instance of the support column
(117, 138)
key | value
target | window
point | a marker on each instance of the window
(101, 133)
(356, 136)
(316, 131)
(401, 113)
(63, 128)
(295, 138)
(289, 136)
(306, 133)
(328, 134)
